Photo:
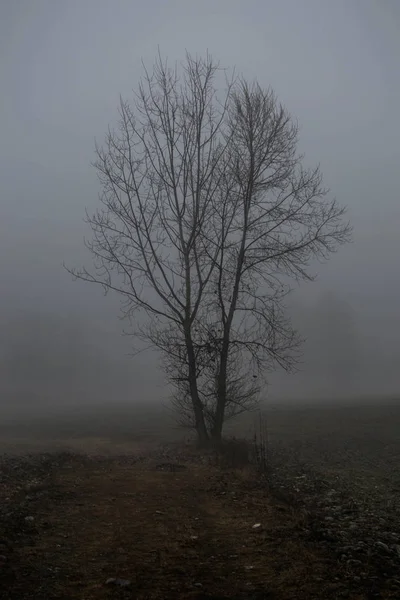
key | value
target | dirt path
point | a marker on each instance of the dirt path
(172, 533)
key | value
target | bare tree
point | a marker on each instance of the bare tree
(206, 212)
(159, 175)
(276, 218)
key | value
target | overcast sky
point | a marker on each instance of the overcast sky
(64, 63)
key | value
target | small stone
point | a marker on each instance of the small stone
(118, 581)
(29, 519)
(198, 585)
(383, 546)
(194, 537)
(256, 526)
(353, 562)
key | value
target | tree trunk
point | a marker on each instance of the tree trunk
(218, 424)
(201, 428)
(223, 367)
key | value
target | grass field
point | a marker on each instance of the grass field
(119, 492)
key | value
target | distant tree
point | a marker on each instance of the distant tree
(206, 213)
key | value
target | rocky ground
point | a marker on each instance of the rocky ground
(360, 527)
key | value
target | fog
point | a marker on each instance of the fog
(63, 66)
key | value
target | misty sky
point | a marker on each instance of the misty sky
(63, 64)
